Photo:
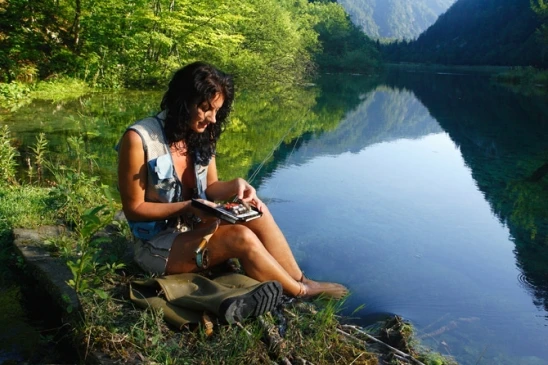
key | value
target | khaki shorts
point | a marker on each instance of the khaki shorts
(151, 255)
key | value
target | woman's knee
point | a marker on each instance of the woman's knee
(242, 239)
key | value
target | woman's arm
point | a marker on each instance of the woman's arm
(224, 190)
(132, 181)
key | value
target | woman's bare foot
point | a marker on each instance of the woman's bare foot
(311, 288)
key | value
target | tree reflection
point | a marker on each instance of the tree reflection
(503, 139)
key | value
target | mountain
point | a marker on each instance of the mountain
(478, 32)
(397, 19)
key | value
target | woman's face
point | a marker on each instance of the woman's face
(205, 113)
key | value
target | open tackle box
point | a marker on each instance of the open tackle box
(233, 212)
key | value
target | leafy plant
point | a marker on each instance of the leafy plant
(39, 151)
(88, 265)
(14, 95)
(75, 197)
(74, 192)
(86, 249)
(63, 88)
(8, 154)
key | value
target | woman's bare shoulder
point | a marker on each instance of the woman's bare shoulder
(131, 139)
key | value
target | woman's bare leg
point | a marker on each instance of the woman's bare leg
(238, 241)
(233, 241)
(274, 241)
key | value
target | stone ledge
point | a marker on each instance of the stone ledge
(50, 272)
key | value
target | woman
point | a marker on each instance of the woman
(166, 160)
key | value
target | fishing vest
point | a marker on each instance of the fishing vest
(163, 184)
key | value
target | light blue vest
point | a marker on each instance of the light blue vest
(163, 184)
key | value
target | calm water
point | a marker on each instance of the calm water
(425, 194)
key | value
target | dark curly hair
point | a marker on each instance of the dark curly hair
(192, 85)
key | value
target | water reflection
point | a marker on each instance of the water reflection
(443, 225)
(504, 140)
(98, 119)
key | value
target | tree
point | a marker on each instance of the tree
(344, 46)
(541, 8)
(138, 43)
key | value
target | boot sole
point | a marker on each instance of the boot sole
(260, 300)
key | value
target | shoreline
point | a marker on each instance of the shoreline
(433, 67)
(52, 275)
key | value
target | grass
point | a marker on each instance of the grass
(25, 206)
(63, 88)
(116, 328)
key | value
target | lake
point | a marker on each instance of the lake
(426, 194)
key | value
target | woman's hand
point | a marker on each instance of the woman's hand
(247, 193)
(201, 213)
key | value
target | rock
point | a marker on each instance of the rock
(50, 272)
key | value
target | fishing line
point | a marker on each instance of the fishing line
(276, 146)
(288, 157)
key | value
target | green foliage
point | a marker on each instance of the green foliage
(74, 191)
(344, 46)
(16, 95)
(39, 151)
(276, 41)
(74, 198)
(86, 265)
(59, 89)
(72, 194)
(112, 44)
(541, 8)
(13, 95)
(8, 155)
(24, 206)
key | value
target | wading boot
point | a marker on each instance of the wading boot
(147, 294)
(231, 297)
(248, 297)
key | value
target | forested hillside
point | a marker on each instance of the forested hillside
(472, 32)
(396, 19)
(114, 43)
(345, 48)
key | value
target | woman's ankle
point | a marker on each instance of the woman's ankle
(303, 290)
